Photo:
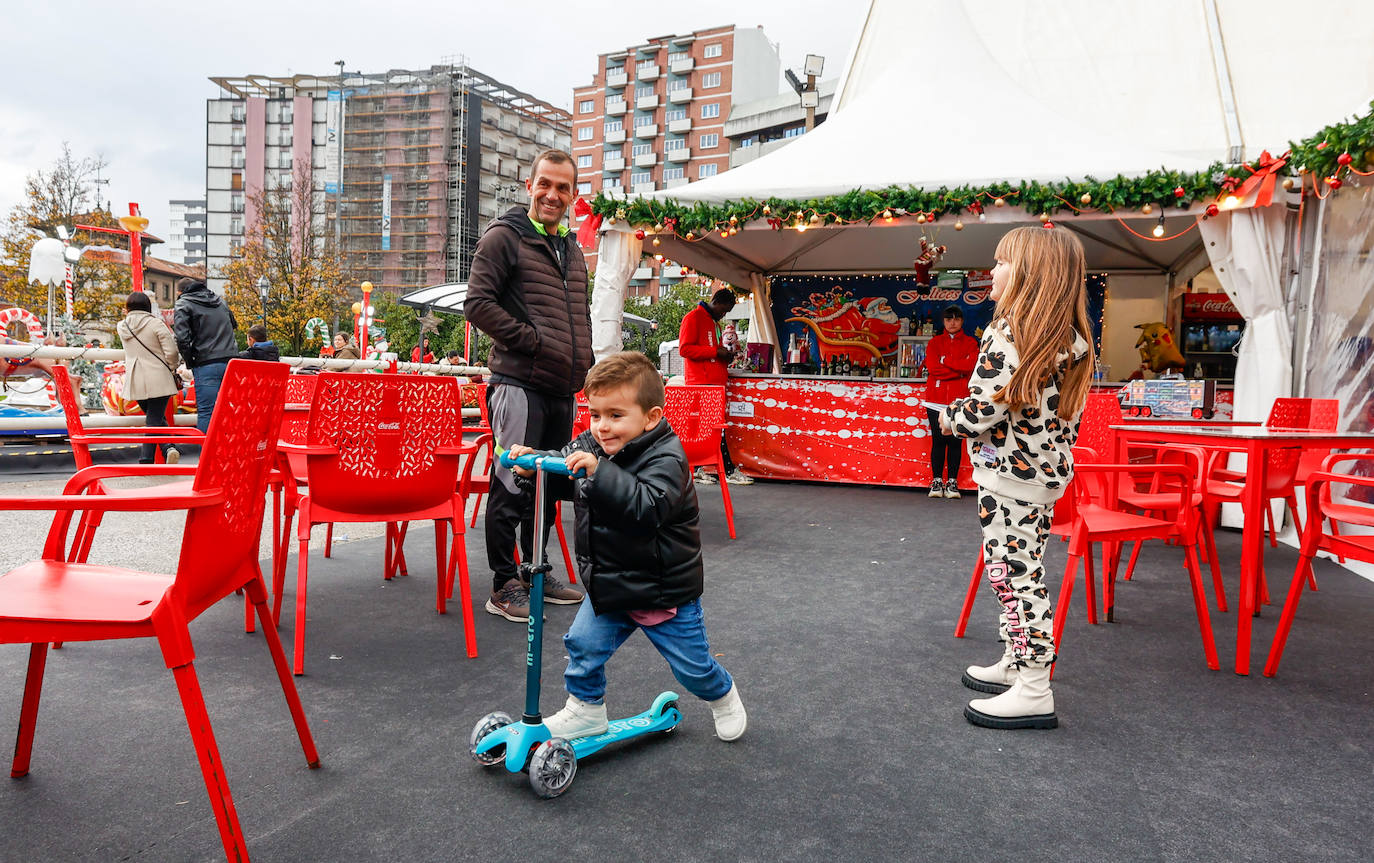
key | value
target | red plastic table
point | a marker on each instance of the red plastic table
(1255, 442)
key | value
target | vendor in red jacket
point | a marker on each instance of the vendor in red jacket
(950, 358)
(705, 363)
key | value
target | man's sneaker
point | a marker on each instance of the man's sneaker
(937, 489)
(705, 478)
(172, 455)
(557, 592)
(952, 490)
(728, 713)
(512, 601)
(735, 477)
(578, 718)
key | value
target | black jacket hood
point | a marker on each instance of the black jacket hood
(201, 296)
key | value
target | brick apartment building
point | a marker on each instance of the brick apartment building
(654, 116)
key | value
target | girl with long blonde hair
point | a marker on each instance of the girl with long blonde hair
(1021, 418)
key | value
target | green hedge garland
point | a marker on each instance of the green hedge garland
(1321, 154)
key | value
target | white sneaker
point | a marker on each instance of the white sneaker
(952, 490)
(734, 477)
(728, 712)
(705, 478)
(1028, 704)
(172, 455)
(578, 718)
(937, 489)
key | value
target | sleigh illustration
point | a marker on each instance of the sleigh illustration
(835, 339)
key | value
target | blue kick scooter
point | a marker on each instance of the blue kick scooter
(527, 744)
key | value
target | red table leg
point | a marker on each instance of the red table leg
(1252, 545)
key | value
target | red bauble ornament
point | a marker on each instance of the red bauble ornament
(639, 235)
(1333, 182)
(1213, 209)
(1049, 224)
(1178, 192)
(1343, 159)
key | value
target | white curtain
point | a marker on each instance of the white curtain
(1246, 250)
(616, 260)
(761, 328)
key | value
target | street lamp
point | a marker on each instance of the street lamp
(365, 318)
(263, 287)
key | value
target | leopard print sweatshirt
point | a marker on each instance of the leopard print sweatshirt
(1025, 454)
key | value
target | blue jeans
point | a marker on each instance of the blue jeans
(208, 378)
(593, 638)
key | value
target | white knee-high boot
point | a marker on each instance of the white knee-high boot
(1027, 704)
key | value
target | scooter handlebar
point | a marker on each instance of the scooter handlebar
(546, 463)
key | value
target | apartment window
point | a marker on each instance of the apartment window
(648, 64)
(585, 133)
(644, 120)
(710, 80)
(794, 132)
(641, 149)
(236, 226)
(586, 106)
(584, 188)
(748, 142)
(285, 160)
(675, 114)
(710, 142)
(709, 110)
(236, 203)
(713, 50)
(236, 113)
(638, 177)
(614, 125)
(236, 159)
(236, 181)
(679, 84)
(236, 137)
(675, 143)
(672, 173)
(641, 92)
(611, 184)
(286, 113)
(708, 170)
(610, 154)
(584, 161)
(678, 55)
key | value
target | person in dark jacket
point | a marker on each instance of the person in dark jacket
(204, 329)
(527, 289)
(260, 347)
(638, 550)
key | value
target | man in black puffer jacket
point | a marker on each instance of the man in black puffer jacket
(204, 329)
(638, 550)
(528, 291)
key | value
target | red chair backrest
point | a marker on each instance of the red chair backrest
(300, 392)
(1288, 413)
(71, 414)
(697, 415)
(482, 404)
(1101, 411)
(238, 454)
(387, 430)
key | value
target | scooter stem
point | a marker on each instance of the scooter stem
(535, 624)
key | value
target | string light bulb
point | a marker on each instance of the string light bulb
(1158, 229)
(767, 210)
(1230, 202)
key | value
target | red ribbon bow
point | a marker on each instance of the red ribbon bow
(1262, 178)
(586, 235)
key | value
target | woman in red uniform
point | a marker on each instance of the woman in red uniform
(950, 358)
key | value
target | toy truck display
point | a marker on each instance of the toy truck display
(1170, 398)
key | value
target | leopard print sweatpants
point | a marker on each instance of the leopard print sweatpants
(1014, 536)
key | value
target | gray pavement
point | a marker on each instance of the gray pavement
(834, 610)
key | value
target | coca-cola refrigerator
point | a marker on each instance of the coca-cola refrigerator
(1212, 327)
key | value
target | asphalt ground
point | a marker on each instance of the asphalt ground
(834, 610)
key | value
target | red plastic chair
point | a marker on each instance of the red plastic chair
(1323, 507)
(81, 439)
(1098, 520)
(385, 448)
(697, 415)
(57, 599)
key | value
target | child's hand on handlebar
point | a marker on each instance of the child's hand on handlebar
(582, 460)
(515, 452)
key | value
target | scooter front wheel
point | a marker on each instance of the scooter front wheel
(553, 767)
(486, 725)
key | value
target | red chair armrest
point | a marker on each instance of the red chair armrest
(307, 449)
(107, 503)
(455, 449)
(179, 431)
(1338, 457)
(86, 476)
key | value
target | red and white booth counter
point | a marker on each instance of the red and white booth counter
(842, 429)
(831, 429)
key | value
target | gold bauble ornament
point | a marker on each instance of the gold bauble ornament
(767, 210)
(1287, 183)
(657, 241)
(815, 219)
(690, 235)
(958, 226)
(921, 219)
(1086, 198)
(1044, 217)
(1147, 209)
(998, 202)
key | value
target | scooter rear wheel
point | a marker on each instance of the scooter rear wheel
(552, 767)
(486, 725)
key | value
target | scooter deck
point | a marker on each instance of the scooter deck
(520, 739)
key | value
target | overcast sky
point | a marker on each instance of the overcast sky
(129, 80)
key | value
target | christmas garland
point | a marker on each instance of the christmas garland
(1345, 146)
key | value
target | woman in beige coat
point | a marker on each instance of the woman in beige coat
(150, 356)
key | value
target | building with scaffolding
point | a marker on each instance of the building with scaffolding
(406, 167)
